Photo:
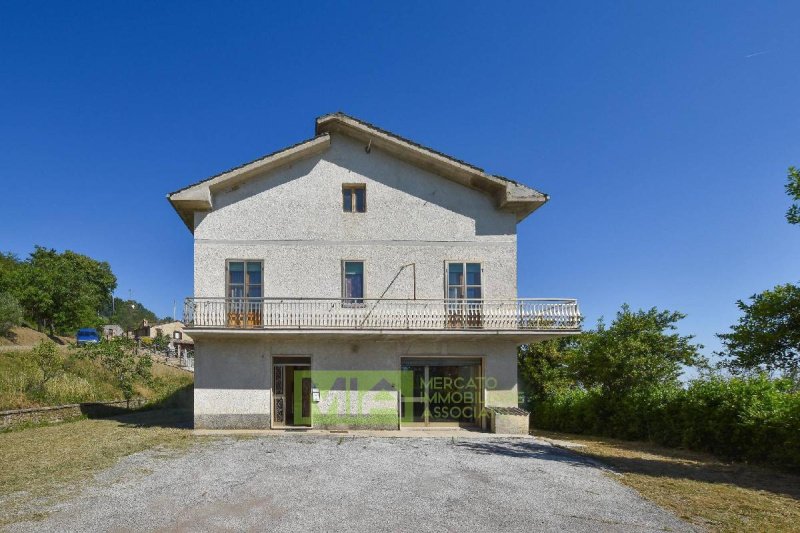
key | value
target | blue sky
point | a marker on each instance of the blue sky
(661, 131)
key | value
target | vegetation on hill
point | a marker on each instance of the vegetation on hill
(128, 314)
(622, 381)
(46, 376)
(62, 292)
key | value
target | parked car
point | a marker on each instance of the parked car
(87, 336)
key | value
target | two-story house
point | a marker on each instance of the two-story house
(358, 279)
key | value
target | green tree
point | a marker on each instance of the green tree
(63, 292)
(118, 357)
(10, 266)
(544, 367)
(640, 349)
(10, 313)
(767, 335)
(48, 361)
(793, 190)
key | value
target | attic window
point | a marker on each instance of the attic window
(354, 198)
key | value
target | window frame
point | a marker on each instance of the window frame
(349, 301)
(465, 286)
(245, 285)
(353, 187)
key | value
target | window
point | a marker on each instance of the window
(244, 279)
(464, 281)
(354, 198)
(353, 282)
(464, 295)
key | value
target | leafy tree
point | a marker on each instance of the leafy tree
(639, 349)
(767, 336)
(793, 190)
(63, 292)
(10, 313)
(9, 272)
(48, 361)
(118, 357)
(544, 367)
(160, 342)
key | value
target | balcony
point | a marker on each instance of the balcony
(384, 315)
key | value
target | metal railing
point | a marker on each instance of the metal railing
(382, 314)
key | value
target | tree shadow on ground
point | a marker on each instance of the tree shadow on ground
(740, 475)
(525, 449)
(174, 411)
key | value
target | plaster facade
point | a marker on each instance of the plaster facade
(290, 217)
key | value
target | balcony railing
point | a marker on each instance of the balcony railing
(384, 314)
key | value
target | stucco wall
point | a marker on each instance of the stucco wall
(292, 219)
(233, 376)
(232, 382)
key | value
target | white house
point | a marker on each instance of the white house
(359, 279)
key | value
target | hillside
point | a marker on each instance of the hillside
(27, 337)
(82, 381)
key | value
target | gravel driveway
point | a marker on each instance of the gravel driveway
(325, 483)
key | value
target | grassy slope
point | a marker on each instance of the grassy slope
(697, 487)
(42, 465)
(82, 381)
(22, 336)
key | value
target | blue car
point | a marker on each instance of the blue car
(87, 336)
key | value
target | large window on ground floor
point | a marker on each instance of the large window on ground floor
(441, 391)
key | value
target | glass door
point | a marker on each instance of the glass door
(443, 392)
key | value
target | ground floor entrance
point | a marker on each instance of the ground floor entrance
(291, 392)
(446, 391)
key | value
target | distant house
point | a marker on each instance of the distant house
(179, 341)
(112, 330)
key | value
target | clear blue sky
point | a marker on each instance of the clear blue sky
(662, 132)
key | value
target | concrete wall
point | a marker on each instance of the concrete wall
(292, 219)
(233, 377)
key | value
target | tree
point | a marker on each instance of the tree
(544, 367)
(10, 313)
(767, 335)
(63, 292)
(639, 349)
(793, 190)
(118, 357)
(49, 362)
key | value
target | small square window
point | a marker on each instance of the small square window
(354, 198)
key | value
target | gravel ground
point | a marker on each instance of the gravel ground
(315, 483)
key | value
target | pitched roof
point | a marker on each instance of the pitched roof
(509, 195)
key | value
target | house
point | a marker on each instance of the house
(179, 341)
(112, 330)
(359, 280)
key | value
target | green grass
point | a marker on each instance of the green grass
(82, 381)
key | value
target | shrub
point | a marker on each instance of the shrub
(752, 419)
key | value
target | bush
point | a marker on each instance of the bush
(10, 313)
(753, 419)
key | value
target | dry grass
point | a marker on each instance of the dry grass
(699, 488)
(81, 381)
(42, 465)
(22, 336)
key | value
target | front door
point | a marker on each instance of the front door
(290, 380)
